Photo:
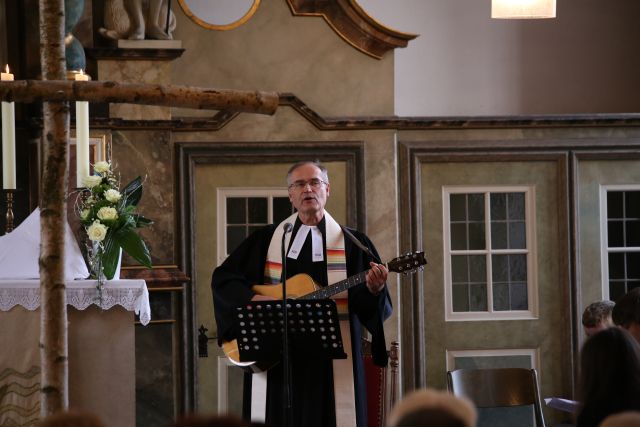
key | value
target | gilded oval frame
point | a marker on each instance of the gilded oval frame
(235, 24)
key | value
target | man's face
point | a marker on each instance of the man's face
(308, 199)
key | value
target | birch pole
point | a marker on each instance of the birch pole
(54, 396)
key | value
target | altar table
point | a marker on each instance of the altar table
(101, 349)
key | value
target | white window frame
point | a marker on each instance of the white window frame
(223, 193)
(604, 235)
(532, 268)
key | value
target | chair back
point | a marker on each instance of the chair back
(491, 388)
(382, 384)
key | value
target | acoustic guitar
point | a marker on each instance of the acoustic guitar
(303, 286)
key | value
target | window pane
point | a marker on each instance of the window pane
(457, 207)
(499, 235)
(517, 268)
(460, 297)
(235, 235)
(614, 204)
(519, 296)
(236, 210)
(517, 235)
(632, 204)
(633, 265)
(476, 207)
(500, 296)
(458, 236)
(476, 235)
(281, 209)
(515, 203)
(615, 233)
(258, 210)
(500, 268)
(478, 297)
(632, 233)
(459, 272)
(616, 266)
(253, 228)
(617, 289)
(498, 206)
(477, 268)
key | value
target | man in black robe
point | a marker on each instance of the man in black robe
(369, 303)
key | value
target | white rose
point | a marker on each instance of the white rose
(101, 167)
(107, 214)
(92, 180)
(112, 195)
(84, 214)
(97, 232)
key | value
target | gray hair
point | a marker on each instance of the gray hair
(316, 163)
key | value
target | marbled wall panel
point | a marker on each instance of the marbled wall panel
(591, 175)
(148, 154)
(139, 71)
(276, 51)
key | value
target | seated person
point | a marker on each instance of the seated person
(597, 316)
(609, 376)
(441, 409)
(626, 313)
(71, 419)
(623, 419)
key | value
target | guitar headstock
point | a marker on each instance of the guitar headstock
(407, 263)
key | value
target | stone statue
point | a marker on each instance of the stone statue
(137, 20)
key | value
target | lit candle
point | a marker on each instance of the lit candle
(8, 140)
(82, 136)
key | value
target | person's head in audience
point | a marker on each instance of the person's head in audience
(198, 420)
(609, 376)
(597, 316)
(623, 419)
(71, 419)
(626, 313)
(439, 408)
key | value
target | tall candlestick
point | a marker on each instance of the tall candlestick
(82, 136)
(8, 140)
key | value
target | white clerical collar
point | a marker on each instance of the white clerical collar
(317, 248)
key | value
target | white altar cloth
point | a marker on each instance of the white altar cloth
(132, 294)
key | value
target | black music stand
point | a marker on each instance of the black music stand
(314, 330)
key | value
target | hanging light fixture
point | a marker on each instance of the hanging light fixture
(523, 9)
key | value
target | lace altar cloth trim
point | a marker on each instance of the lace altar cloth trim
(133, 295)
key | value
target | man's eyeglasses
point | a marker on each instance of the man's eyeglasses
(314, 183)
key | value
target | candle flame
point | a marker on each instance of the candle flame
(81, 72)
(6, 67)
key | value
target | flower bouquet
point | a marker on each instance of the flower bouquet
(110, 221)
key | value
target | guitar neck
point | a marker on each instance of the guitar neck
(336, 288)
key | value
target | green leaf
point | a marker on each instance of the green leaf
(142, 221)
(132, 193)
(132, 244)
(110, 257)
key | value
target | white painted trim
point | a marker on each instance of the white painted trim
(533, 353)
(222, 193)
(531, 251)
(604, 237)
(223, 384)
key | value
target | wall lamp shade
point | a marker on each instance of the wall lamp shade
(523, 9)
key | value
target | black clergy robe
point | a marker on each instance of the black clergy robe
(312, 381)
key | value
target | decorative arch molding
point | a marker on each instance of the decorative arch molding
(354, 25)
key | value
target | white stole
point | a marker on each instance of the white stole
(343, 376)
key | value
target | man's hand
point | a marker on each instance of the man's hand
(376, 278)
